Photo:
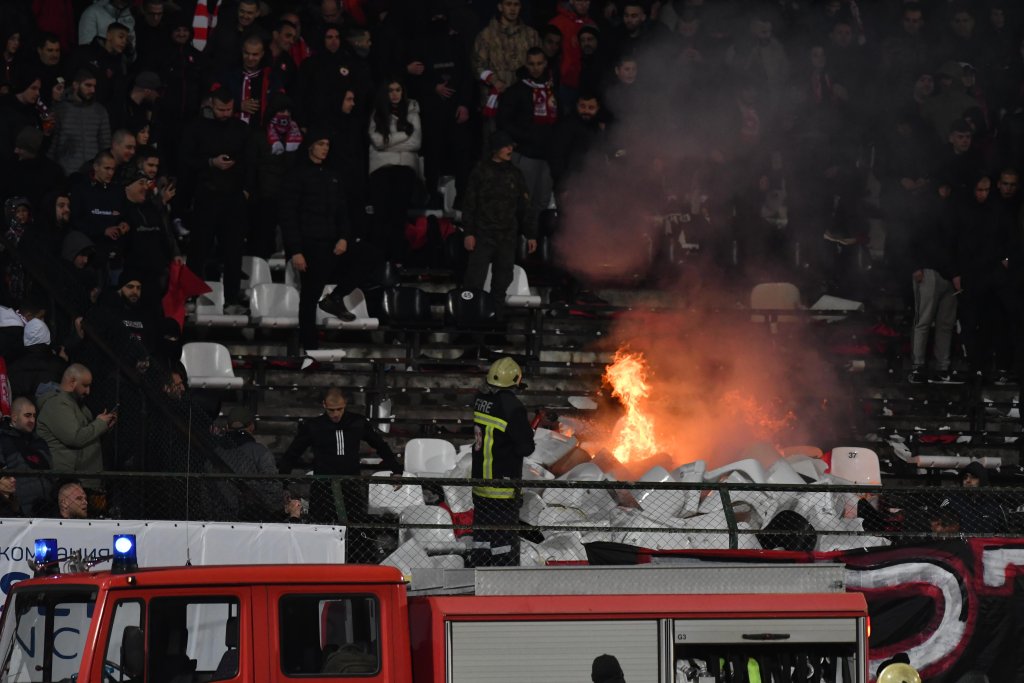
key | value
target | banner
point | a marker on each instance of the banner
(954, 607)
(169, 544)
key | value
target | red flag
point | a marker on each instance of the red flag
(5, 388)
(182, 284)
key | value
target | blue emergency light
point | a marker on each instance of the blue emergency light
(125, 554)
(46, 557)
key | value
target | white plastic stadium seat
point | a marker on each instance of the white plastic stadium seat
(274, 305)
(429, 456)
(209, 366)
(857, 465)
(355, 302)
(775, 296)
(255, 271)
(210, 309)
(518, 293)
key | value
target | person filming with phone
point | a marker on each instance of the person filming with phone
(70, 429)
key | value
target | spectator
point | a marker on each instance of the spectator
(500, 51)
(10, 505)
(395, 138)
(98, 17)
(225, 49)
(251, 84)
(637, 33)
(606, 669)
(906, 53)
(528, 113)
(150, 33)
(577, 137)
(334, 439)
(47, 60)
(246, 500)
(138, 108)
(37, 366)
(215, 150)
(18, 110)
(122, 149)
(106, 57)
(594, 64)
(282, 40)
(183, 70)
(22, 449)
(274, 154)
(69, 428)
(83, 127)
(570, 19)
(320, 80)
(978, 513)
(97, 211)
(495, 211)
(315, 228)
(983, 266)
(444, 91)
(152, 246)
(29, 173)
(936, 279)
(72, 502)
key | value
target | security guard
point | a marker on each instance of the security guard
(502, 438)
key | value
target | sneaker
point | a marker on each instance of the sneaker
(336, 307)
(235, 309)
(918, 376)
(946, 377)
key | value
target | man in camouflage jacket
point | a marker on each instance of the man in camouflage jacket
(495, 210)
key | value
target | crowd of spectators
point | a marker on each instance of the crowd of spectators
(136, 136)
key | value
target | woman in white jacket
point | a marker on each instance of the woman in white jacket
(395, 136)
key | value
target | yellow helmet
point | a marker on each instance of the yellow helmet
(504, 373)
(899, 673)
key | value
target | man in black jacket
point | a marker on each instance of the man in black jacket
(22, 449)
(502, 438)
(214, 149)
(314, 227)
(528, 112)
(334, 438)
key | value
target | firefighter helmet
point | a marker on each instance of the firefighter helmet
(504, 373)
(899, 673)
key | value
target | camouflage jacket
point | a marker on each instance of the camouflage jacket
(497, 202)
(502, 51)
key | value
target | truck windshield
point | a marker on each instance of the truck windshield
(44, 632)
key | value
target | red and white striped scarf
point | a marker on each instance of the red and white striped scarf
(204, 21)
(247, 92)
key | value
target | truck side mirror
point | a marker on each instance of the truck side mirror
(133, 652)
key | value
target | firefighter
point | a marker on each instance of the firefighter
(502, 438)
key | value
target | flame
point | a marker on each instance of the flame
(763, 423)
(627, 376)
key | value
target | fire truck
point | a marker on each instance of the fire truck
(726, 623)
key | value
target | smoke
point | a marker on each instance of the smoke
(713, 141)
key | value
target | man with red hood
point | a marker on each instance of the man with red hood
(569, 21)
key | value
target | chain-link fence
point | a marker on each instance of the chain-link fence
(415, 522)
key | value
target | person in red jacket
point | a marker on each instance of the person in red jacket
(569, 21)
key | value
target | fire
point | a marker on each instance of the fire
(627, 376)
